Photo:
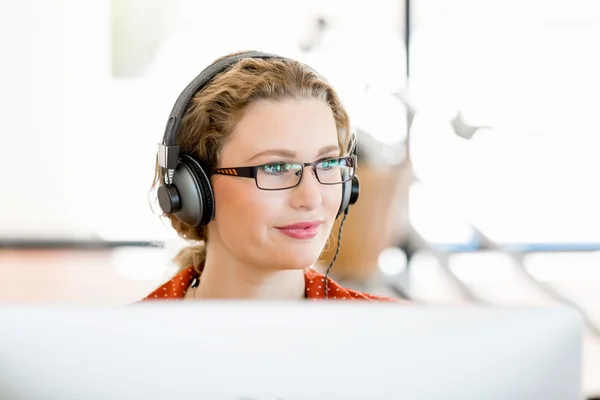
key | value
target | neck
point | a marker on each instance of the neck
(225, 277)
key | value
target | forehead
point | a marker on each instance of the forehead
(303, 126)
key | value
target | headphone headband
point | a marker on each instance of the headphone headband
(168, 152)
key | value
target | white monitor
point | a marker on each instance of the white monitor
(289, 351)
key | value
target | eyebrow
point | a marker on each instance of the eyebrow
(292, 154)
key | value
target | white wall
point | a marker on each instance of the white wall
(54, 69)
(32, 193)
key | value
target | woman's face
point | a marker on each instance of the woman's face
(250, 222)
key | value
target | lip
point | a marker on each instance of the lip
(301, 230)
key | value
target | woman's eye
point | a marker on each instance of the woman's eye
(276, 168)
(328, 164)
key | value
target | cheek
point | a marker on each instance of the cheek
(240, 207)
(332, 198)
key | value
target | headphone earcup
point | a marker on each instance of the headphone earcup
(191, 191)
(350, 192)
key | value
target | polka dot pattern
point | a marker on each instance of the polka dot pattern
(314, 281)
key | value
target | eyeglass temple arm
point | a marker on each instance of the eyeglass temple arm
(245, 172)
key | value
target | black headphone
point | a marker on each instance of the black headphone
(186, 191)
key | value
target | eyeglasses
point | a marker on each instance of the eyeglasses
(280, 176)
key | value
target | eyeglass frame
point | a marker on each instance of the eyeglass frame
(252, 171)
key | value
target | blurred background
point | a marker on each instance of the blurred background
(478, 141)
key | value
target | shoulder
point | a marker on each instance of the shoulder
(173, 289)
(371, 297)
(315, 289)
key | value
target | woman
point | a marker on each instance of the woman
(265, 144)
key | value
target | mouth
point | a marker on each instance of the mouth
(301, 230)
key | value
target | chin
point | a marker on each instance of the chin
(287, 253)
(297, 259)
(302, 262)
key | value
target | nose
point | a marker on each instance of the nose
(307, 195)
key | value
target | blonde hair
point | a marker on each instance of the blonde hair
(214, 112)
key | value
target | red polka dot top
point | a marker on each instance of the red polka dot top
(176, 288)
